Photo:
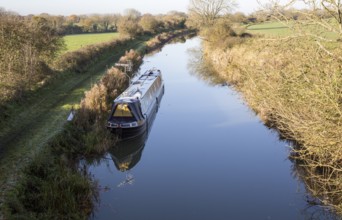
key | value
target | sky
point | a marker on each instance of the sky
(68, 7)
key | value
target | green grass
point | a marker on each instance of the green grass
(278, 29)
(77, 41)
(270, 29)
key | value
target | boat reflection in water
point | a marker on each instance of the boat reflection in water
(127, 152)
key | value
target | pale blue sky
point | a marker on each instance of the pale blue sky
(67, 7)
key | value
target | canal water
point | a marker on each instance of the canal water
(207, 156)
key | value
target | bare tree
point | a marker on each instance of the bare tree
(209, 10)
(132, 14)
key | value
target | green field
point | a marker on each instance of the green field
(270, 29)
(77, 41)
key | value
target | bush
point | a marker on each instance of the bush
(222, 34)
(149, 24)
(129, 27)
(133, 56)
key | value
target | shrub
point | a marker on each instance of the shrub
(129, 27)
(133, 56)
(222, 34)
(149, 24)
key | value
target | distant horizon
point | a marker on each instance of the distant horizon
(80, 7)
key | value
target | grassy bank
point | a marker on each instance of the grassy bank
(85, 138)
(30, 124)
(298, 95)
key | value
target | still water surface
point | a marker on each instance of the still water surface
(207, 156)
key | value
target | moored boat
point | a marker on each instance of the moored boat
(132, 110)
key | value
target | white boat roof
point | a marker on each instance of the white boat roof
(139, 87)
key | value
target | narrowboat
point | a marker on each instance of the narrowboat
(137, 105)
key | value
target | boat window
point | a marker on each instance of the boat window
(122, 110)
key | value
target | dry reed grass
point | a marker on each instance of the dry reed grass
(133, 56)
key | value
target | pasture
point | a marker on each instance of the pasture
(278, 29)
(77, 41)
(270, 29)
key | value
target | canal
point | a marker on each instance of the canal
(207, 156)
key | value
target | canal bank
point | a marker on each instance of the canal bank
(295, 88)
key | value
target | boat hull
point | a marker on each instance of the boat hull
(128, 133)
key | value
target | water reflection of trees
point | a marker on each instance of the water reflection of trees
(323, 184)
(179, 39)
(202, 68)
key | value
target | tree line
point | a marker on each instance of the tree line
(116, 22)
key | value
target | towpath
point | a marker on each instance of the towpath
(42, 116)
